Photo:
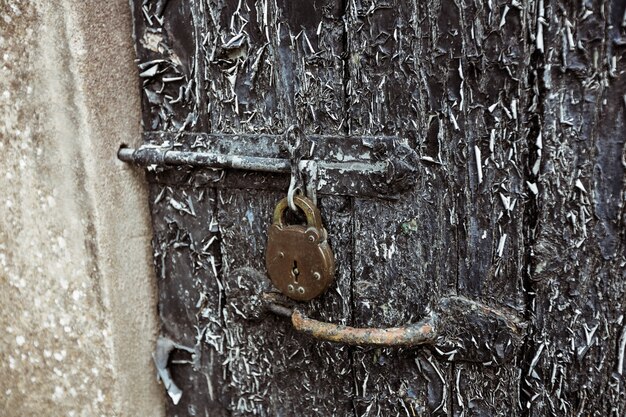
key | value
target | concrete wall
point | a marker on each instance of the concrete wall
(77, 298)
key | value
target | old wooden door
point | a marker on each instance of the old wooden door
(514, 113)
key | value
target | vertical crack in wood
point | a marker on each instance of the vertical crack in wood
(346, 130)
(346, 68)
(531, 219)
(218, 255)
(199, 24)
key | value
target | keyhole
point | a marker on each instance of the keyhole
(295, 272)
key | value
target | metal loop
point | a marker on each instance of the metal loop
(294, 190)
(295, 139)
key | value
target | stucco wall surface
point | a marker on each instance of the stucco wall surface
(77, 315)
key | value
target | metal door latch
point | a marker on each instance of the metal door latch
(372, 166)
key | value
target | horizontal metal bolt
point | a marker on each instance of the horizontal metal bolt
(150, 155)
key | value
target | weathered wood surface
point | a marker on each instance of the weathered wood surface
(282, 73)
(577, 276)
(402, 262)
(167, 38)
(516, 111)
(296, 375)
(186, 257)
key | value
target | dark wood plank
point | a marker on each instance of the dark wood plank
(576, 355)
(187, 259)
(166, 40)
(269, 368)
(438, 69)
(271, 64)
(489, 95)
(405, 252)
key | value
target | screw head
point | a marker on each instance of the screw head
(301, 290)
(290, 288)
(317, 276)
(311, 238)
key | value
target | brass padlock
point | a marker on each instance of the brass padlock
(298, 258)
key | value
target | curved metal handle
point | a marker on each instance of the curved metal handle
(458, 328)
(421, 333)
(461, 329)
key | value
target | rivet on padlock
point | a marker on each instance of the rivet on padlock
(298, 258)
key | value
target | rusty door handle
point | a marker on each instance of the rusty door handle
(458, 328)
(420, 333)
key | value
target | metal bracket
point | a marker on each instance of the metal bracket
(377, 166)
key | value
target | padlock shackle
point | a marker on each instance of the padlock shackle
(311, 212)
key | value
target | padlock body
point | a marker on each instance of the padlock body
(299, 261)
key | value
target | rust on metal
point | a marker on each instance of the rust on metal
(461, 330)
(420, 333)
